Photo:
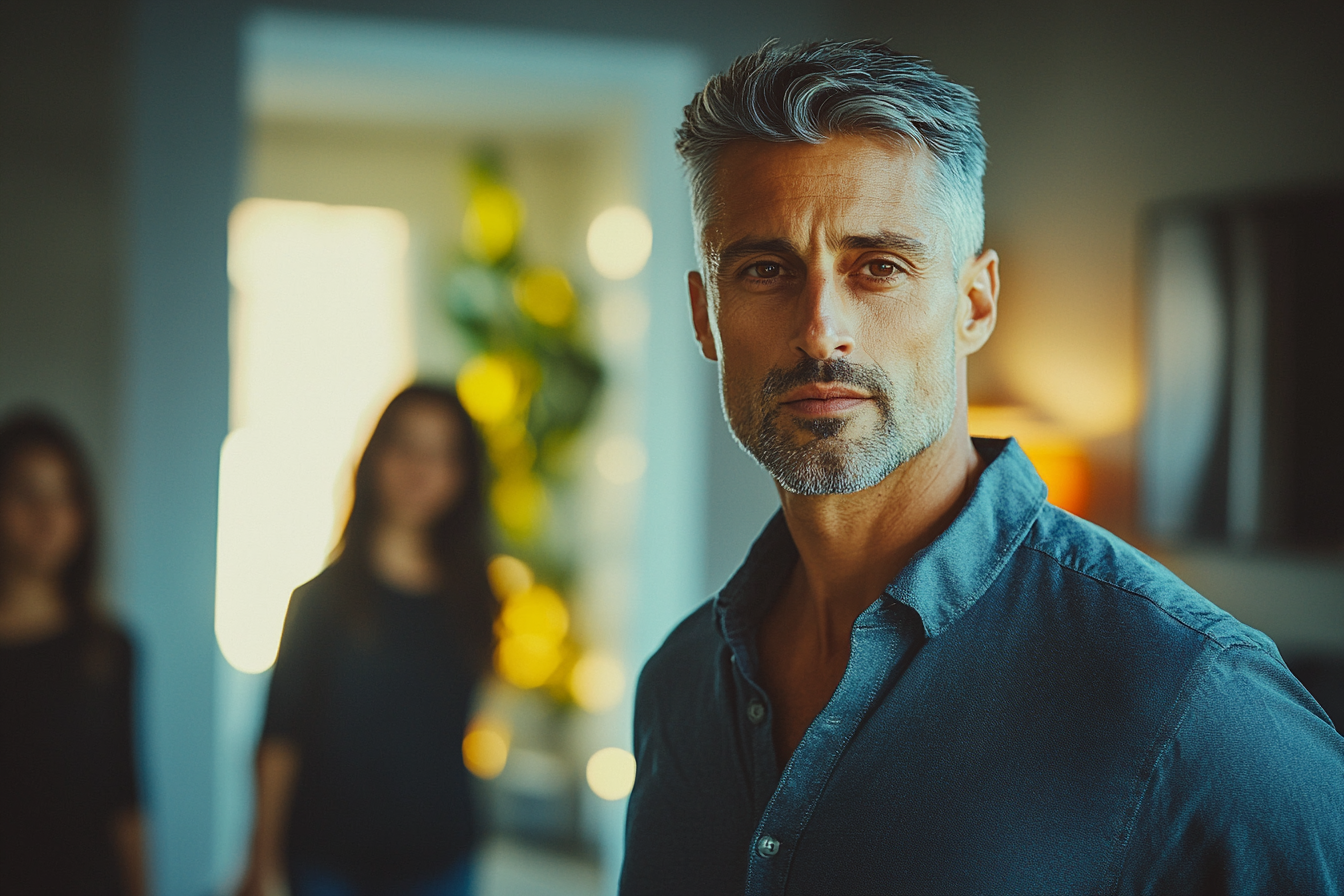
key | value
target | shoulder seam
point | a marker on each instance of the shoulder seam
(1139, 594)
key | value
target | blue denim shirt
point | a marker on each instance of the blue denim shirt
(1031, 706)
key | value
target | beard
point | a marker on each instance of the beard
(822, 456)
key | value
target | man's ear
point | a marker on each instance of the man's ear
(978, 302)
(700, 315)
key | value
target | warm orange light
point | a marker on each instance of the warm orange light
(1059, 460)
(1065, 469)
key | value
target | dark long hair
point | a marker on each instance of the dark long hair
(457, 538)
(33, 429)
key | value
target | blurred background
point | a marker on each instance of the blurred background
(255, 222)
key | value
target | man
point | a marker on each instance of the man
(924, 678)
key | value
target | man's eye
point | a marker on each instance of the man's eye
(881, 269)
(764, 270)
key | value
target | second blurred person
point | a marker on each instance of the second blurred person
(360, 781)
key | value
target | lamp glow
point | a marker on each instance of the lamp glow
(1059, 458)
(620, 241)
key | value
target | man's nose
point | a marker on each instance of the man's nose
(824, 331)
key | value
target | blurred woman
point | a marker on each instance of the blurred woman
(360, 782)
(69, 816)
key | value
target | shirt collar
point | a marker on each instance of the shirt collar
(939, 583)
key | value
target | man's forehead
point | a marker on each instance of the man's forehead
(847, 186)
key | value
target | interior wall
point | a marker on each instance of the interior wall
(62, 107)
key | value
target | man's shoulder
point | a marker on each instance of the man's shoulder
(691, 645)
(1082, 551)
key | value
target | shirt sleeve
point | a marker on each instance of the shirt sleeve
(1247, 796)
(297, 673)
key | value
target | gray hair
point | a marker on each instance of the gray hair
(807, 93)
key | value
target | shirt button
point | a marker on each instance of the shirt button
(756, 713)
(767, 846)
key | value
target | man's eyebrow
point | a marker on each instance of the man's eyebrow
(752, 246)
(913, 249)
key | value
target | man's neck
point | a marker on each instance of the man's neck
(851, 546)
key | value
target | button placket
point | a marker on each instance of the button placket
(756, 712)
(813, 762)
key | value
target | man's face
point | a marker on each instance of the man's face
(834, 306)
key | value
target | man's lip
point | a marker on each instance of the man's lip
(822, 392)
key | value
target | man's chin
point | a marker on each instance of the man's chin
(824, 468)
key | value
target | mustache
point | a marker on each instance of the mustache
(809, 370)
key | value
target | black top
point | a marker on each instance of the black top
(66, 761)
(377, 711)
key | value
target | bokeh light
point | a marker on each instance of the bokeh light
(545, 295)
(621, 459)
(510, 446)
(518, 500)
(620, 240)
(597, 681)
(485, 748)
(508, 576)
(491, 222)
(488, 388)
(537, 611)
(533, 624)
(611, 773)
(527, 661)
